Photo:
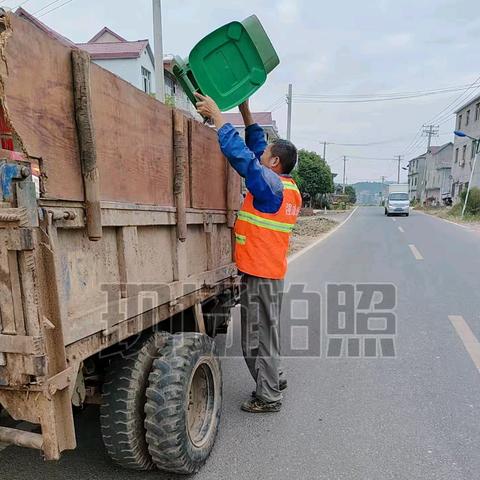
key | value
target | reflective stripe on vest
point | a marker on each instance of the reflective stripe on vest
(240, 239)
(262, 238)
(265, 222)
(290, 186)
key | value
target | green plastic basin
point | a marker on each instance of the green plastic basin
(229, 65)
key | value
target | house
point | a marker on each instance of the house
(438, 174)
(264, 119)
(174, 93)
(131, 60)
(467, 120)
(416, 178)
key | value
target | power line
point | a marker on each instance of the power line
(374, 98)
(21, 4)
(383, 159)
(444, 115)
(56, 8)
(46, 6)
(451, 105)
(382, 95)
(275, 103)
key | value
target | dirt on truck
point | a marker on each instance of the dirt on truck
(116, 271)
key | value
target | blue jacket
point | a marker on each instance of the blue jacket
(244, 156)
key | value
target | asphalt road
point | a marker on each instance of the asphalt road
(413, 416)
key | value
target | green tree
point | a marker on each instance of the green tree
(313, 175)
(351, 193)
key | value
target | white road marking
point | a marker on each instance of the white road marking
(416, 253)
(468, 338)
(445, 220)
(401, 229)
(294, 257)
(394, 219)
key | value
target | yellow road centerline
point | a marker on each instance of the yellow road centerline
(468, 338)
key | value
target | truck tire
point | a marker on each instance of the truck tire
(184, 400)
(122, 413)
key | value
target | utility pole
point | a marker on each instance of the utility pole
(383, 189)
(476, 145)
(399, 159)
(289, 112)
(158, 46)
(344, 173)
(325, 151)
(430, 131)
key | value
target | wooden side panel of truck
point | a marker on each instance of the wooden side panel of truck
(132, 225)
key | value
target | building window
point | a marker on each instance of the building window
(146, 80)
(459, 126)
(464, 155)
(456, 155)
(477, 112)
(467, 118)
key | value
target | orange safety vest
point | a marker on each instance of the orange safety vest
(262, 238)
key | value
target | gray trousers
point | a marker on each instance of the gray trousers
(261, 301)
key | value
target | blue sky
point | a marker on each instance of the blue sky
(342, 47)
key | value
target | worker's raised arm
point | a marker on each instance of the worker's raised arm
(254, 134)
(265, 185)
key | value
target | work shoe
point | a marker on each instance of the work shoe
(282, 385)
(256, 405)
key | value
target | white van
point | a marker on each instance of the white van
(396, 199)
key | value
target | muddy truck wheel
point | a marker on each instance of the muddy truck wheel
(122, 413)
(184, 400)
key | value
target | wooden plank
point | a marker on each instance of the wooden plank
(16, 293)
(180, 159)
(234, 197)
(134, 142)
(128, 257)
(40, 105)
(18, 344)
(87, 142)
(208, 169)
(199, 317)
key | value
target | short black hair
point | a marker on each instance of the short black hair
(286, 151)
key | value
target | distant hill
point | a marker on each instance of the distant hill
(370, 187)
(368, 193)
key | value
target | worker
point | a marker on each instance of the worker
(262, 233)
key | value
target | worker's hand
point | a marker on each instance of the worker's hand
(244, 106)
(246, 114)
(207, 107)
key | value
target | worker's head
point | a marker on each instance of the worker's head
(280, 156)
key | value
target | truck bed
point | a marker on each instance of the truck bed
(124, 234)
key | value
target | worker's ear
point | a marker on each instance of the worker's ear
(274, 162)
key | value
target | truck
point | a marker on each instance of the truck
(397, 200)
(116, 259)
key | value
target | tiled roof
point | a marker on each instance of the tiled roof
(105, 51)
(107, 30)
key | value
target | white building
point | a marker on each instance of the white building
(264, 119)
(416, 178)
(438, 175)
(131, 60)
(468, 120)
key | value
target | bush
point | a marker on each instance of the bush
(473, 204)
